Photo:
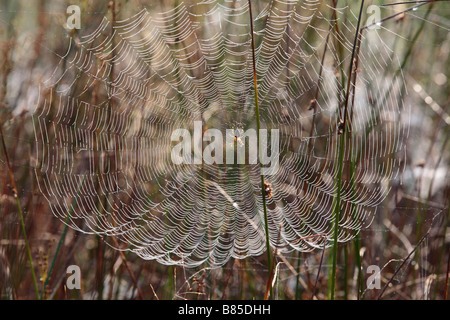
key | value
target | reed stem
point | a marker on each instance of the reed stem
(258, 127)
(19, 209)
(341, 163)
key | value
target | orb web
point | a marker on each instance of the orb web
(105, 117)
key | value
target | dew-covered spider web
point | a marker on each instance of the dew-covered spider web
(105, 118)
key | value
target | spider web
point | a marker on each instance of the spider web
(105, 117)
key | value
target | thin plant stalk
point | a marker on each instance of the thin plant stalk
(297, 283)
(446, 278)
(258, 126)
(318, 272)
(19, 209)
(402, 264)
(272, 270)
(132, 276)
(61, 239)
(352, 168)
(341, 164)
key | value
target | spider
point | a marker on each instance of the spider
(268, 189)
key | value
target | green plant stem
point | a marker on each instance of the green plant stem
(337, 206)
(61, 239)
(447, 277)
(341, 164)
(19, 209)
(258, 127)
(297, 284)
